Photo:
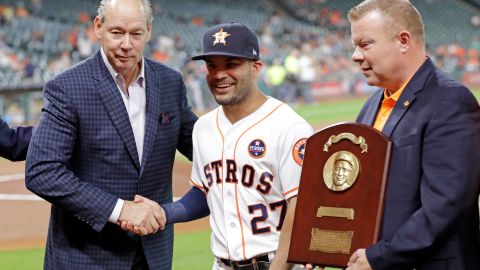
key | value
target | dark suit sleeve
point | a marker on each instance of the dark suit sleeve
(188, 121)
(14, 142)
(449, 184)
(48, 172)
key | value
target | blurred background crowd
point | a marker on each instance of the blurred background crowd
(305, 45)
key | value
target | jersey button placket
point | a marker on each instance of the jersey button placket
(231, 221)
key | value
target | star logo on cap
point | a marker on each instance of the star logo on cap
(220, 37)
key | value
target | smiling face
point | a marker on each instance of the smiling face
(377, 50)
(123, 34)
(231, 79)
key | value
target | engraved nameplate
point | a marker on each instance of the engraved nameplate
(331, 241)
(324, 211)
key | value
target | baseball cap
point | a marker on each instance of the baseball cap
(229, 39)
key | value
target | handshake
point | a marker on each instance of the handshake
(142, 216)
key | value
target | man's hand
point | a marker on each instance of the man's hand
(159, 212)
(358, 261)
(142, 216)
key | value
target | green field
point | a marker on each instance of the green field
(29, 259)
(192, 250)
(331, 111)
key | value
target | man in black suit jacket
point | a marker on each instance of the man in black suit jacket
(14, 142)
(430, 217)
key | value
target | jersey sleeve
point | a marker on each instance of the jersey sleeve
(290, 156)
(196, 175)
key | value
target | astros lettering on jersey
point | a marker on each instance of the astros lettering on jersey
(248, 171)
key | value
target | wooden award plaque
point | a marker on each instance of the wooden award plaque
(340, 200)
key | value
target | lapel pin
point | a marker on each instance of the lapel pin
(406, 104)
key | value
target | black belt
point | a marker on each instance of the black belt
(252, 261)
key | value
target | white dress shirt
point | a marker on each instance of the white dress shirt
(134, 99)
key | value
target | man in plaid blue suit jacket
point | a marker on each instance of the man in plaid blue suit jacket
(14, 142)
(109, 130)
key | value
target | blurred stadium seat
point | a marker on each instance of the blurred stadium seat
(39, 39)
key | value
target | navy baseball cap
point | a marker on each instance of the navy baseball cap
(229, 39)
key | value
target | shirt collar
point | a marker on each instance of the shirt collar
(395, 96)
(141, 76)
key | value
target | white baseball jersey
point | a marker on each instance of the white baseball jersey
(248, 171)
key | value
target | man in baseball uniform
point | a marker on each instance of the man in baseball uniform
(247, 158)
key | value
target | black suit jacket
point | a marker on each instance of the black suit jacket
(14, 142)
(431, 216)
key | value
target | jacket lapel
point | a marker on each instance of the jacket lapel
(153, 102)
(112, 100)
(401, 107)
(408, 97)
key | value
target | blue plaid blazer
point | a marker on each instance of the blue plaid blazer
(14, 142)
(83, 158)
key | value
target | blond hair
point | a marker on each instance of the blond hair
(398, 15)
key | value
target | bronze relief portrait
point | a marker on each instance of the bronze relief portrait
(340, 171)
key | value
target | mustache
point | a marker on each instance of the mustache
(225, 81)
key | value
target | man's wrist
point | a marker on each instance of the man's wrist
(116, 211)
